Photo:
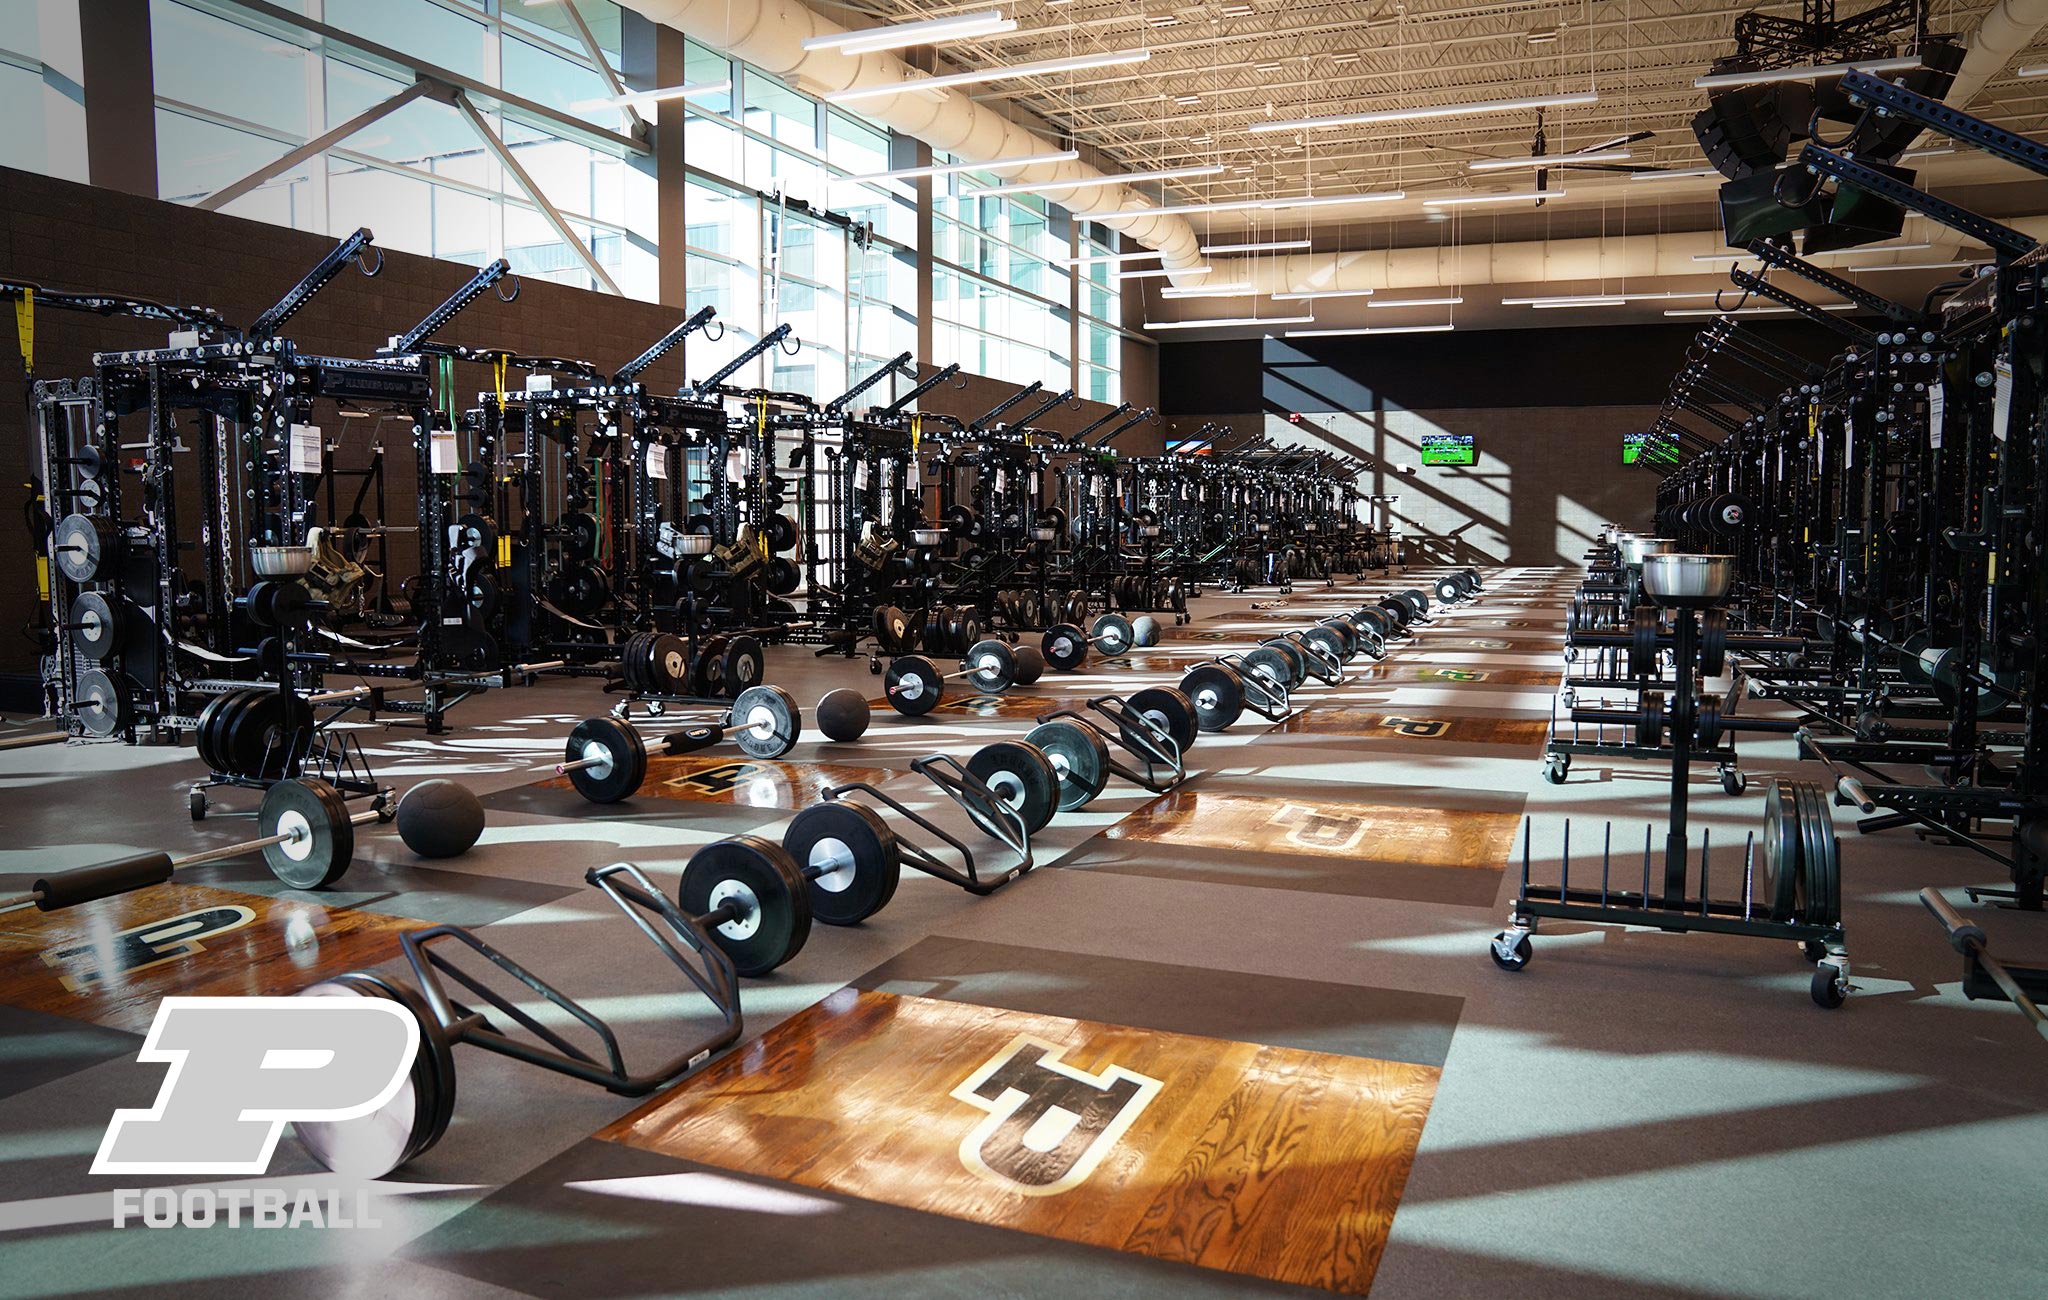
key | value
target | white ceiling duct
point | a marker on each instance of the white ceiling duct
(770, 34)
(2005, 29)
(1633, 258)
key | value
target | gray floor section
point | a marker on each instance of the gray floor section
(1638, 1113)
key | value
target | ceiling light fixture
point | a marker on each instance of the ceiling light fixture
(1227, 322)
(1673, 175)
(636, 97)
(1108, 257)
(1811, 72)
(1241, 289)
(1264, 205)
(1548, 160)
(1158, 272)
(1187, 99)
(1110, 178)
(1418, 114)
(950, 169)
(1927, 153)
(1756, 311)
(1047, 67)
(1444, 328)
(1864, 251)
(1415, 302)
(2037, 70)
(1466, 200)
(1303, 295)
(959, 27)
(1262, 246)
(1236, 11)
(1606, 299)
(1913, 266)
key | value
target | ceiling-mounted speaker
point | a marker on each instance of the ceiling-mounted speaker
(1744, 130)
(1750, 208)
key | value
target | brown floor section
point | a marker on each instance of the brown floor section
(1359, 832)
(1386, 672)
(109, 962)
(746, 782)
(974, 705)
(1259, 1160)
(1345, 720)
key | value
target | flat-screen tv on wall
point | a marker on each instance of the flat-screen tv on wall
(1448, 449)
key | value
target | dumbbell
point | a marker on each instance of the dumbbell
(916, 686)
(308, 841)
(1066, 647)
(606, 760)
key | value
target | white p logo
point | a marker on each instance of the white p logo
(242, 1067)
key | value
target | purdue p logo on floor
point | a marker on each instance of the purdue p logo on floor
(1049, 1124)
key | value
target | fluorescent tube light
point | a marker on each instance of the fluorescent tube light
(1673, 175)
(1418, 114)
(1832, 252)
(1444, 328)
(637, 97)
(1112, 178)
(1467, 200)
(1160, 272)
(1234, 289)
(1415, 302)
(1266, 246)
(1604, 299)
(1228, 322)
(959, 27)
(1755, 311)
(1548, 160)
(949, 169)
(1305, 294)
(1264, 205)
(1108, 257)
(1076, 63)
(1812, 72)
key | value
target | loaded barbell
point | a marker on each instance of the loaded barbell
(1066, 647)
(915, 686)
(606, 760)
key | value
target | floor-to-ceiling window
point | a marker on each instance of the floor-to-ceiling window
(423, 175)
(1100, 376)
(42, 92)
(1000, 293)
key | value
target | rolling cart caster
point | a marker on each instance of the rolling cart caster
(1510, 949)
(1733, 781)
(622, 710)
(1571, 654)
(655, 708)
(1569, 697)
(195, 802)
(1556, 768)
(874, 665)
(1812, 949)
(1830, 986)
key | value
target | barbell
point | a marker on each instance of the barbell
(606, 760)
(915, 686)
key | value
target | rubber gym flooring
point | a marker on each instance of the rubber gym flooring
(1240, 1038)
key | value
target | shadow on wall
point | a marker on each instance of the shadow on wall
(1544, 478)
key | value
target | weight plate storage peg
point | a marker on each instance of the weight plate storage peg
(102, 704)
(84, 547)
(757, 884)
(1023, 775)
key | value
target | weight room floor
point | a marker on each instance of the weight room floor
(1293, 946)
